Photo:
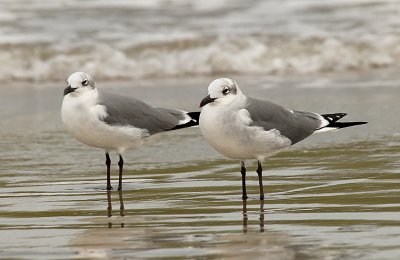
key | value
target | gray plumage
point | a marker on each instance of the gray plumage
(242, 127)
(114, 122)
(296, 125)
(124, 111)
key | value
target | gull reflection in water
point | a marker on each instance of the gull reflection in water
(245, 216)
(121, 208)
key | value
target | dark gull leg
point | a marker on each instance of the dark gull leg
(259, 173)
(243, 172)
(121, 166)
(108, 163)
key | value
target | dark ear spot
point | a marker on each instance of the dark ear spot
(234, 89)
(91, 83)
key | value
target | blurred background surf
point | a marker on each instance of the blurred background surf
(169, 38)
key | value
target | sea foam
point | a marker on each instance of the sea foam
(192, 56)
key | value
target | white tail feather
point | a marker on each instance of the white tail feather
(325, 129)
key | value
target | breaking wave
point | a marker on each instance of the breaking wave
(197, 56)
(162, 38)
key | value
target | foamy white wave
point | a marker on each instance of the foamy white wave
(183, 57)
(168, 38)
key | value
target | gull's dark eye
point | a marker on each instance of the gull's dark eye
(225, 91)
(85, 82)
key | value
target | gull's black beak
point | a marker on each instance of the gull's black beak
(69, 90)
(206, 100)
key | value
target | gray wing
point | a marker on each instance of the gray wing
(125, 111)
(295, 125)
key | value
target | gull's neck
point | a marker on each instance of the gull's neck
(87, 99)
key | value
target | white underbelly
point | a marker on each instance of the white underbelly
(89, 129)
(236, 140)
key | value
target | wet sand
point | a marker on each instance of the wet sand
(334, 196)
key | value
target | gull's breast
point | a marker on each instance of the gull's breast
(83, 122)
(231, 135)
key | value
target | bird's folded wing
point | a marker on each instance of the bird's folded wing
(126, 111)
(295, 125)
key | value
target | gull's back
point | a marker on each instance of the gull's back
(127, 111)
(294, 125)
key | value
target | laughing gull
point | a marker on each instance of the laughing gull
(242, 127)
(113, 122)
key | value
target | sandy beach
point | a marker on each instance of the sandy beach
(332, 196)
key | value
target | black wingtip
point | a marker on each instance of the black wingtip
(195, 116)
(345, 124)
(193, 122)
(333, 117)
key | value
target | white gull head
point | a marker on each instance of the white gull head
(79, 83)
(221, 91)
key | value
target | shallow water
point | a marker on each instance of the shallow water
(334, 196)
